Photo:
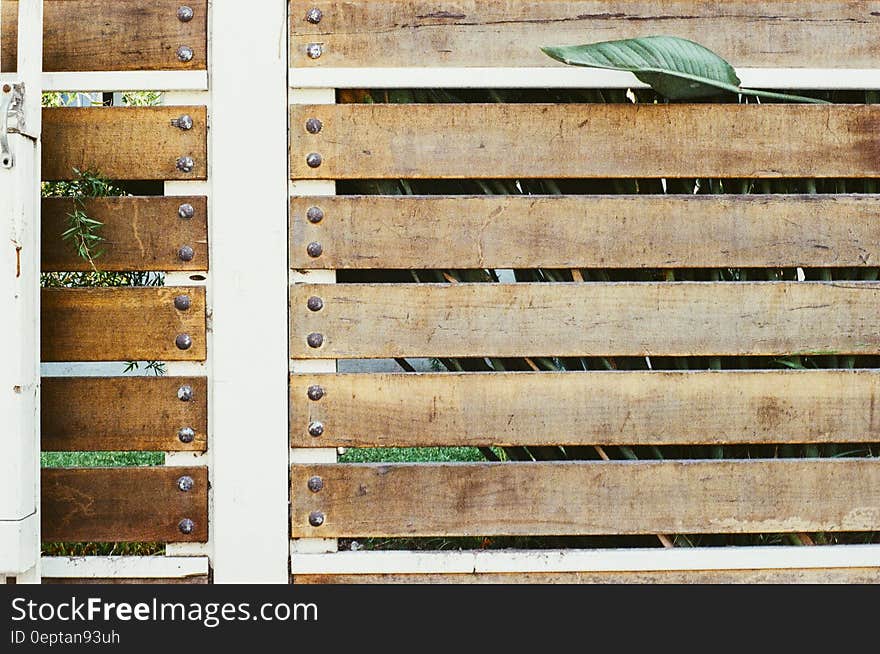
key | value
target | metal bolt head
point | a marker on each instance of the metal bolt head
(315, 340)
(7, 88)
(185, 164)
(315, 214)
(315, 392)
(316, 519)
(186, 526)
(186, 434)
(314, 249)
(315, 484)
(184, 53)
(313, 159)
(314, 50)
(184, 122)
(186, 211)
(185, 14)
(314, 15)
(183, 341)
(185, 393)
(315, 303)
(185, 484)
(313, 125)
(316, 428)
(182, 302)
(185, 253)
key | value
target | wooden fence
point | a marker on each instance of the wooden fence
(253, 394)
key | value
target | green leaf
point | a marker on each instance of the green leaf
(676, 68)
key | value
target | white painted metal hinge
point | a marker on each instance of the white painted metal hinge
(12, 120)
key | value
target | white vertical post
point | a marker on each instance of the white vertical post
(20, 303)
(248, 82)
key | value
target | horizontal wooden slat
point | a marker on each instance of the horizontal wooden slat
(584, 408)
(488, 33)
(123, 504)
(121, 324)
(586, 140)
(122, 413)
(88, 35)
(200, 579)
(123, 142)
(586, 319)
(139, 233)
(625, 231)
(633, 497)
(791, 576)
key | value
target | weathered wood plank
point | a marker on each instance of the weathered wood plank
(786, 576)
(586, 140)
(585, 408)
(197, 579)
(123, 504)
(140, 233)
(123, 413)
(90, 35)
(625, 231)
(121, 324)
(390, 33)
(631, 497)
(585, 319)
(123, 142)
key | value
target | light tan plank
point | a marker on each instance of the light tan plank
(121, 324)
(586, 140)
(123, 142)
(88, 35)
(633, 497)
(827, 34)
(123, 504)
(788, 576)
(578, 319)
(122, 413)
(585, 408)
(139, 233)
(627, 231)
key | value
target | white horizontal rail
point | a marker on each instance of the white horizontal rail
(124, 567)
(610, 560)
(571, 77)
(138, 80)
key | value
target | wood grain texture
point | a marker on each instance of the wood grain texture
(140, 233)
(196, 579)
(625, 231)
(630, 497)
(585, 408)
(781, 33)
(123, 504)
(122, 413)
(123, 142)
(586, 319)
(91, 35)
(121, 324)
(377, 141)
(786, 576)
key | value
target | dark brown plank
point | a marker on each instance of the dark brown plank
(586, 319)
(123, 504)
(616, 231)
(121, 324)
(89, 35)
(123, 142)
(123, 413)
(584, 140)
(391, 33)
(575, 498)
(140, 233)
(585, 408)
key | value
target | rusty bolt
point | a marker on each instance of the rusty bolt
(185, 14)
(315, 484)
(316, 518)
(185, 253)
(314, 15)
(185, 484)
(186, 211)
(313, 159)
(183, 341)
(315, 340)
(314, 249)
(6, 88)
(182, 302)
(315, 392)
(186, 434)
(184, 53)
(315, 303)
(186, 526)
(316, 428)
(185, 164)
(313, 125)
(315, 214)
(314, 50)
(185, 393)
